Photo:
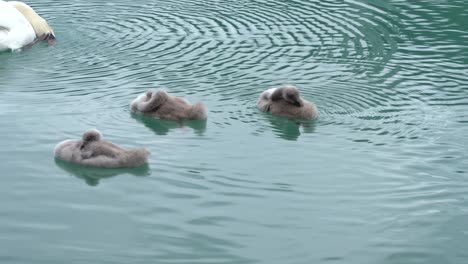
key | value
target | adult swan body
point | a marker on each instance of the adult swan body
(20, 26)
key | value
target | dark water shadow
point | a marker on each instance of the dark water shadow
(162, 127)
(92, 175)
(290, 129)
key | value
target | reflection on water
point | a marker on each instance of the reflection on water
(290, 129)
(162, 127)
(92, 175)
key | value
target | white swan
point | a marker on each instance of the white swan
(20, 25)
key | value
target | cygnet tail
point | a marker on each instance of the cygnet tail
(198, 111)
(135, 157)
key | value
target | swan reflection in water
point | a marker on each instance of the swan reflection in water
(92, 175)
(162, 127)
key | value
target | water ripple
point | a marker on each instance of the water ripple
(385, 161)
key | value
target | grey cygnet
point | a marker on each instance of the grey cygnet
(286, 101)
(160, 104)
(92, 151)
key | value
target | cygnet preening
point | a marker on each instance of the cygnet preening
(161, 105)
(92, 151)
(286, 101)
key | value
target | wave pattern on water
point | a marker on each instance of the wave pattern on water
(386, 160)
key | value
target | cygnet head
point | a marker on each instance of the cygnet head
(288, 93)
(40, 26)
(92, 135)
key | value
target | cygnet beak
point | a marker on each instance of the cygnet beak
(298, 103)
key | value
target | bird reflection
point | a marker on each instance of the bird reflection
(162, 127)
(290, 129)
(92, 175)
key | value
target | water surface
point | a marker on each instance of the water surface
(380, 177)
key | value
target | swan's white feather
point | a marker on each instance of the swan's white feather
(15, 30)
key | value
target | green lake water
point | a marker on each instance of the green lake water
(380, 177)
